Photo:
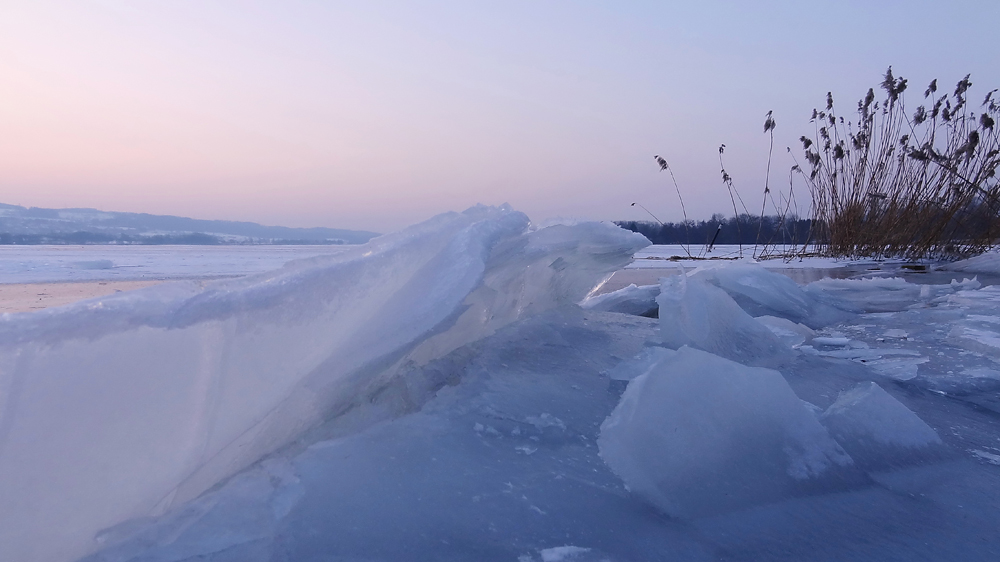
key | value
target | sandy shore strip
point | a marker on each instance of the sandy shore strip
(25, 297)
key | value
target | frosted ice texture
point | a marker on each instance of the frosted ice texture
(124, 406)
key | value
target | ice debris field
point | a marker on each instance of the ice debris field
(459, 391)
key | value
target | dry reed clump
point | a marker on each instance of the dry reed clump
(893, 184)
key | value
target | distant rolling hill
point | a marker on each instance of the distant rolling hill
(33, 225)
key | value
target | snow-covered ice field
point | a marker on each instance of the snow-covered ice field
(459, 391)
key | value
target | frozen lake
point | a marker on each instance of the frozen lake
(51, 264)
(60, 264)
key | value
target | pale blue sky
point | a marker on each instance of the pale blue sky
(376, 114)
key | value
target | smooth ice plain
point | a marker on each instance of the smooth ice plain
(458, 391)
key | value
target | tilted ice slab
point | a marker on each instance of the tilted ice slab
(124, 406)
(699, 434)
(696, 313)
(878, 431)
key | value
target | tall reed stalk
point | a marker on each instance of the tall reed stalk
(665, 166)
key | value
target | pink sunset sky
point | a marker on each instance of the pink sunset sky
(374, 115)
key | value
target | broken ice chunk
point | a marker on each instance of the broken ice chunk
(700, 434)
(700, 315)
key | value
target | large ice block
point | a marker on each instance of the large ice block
(699, 434)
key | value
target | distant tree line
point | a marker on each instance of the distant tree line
(745, 229)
